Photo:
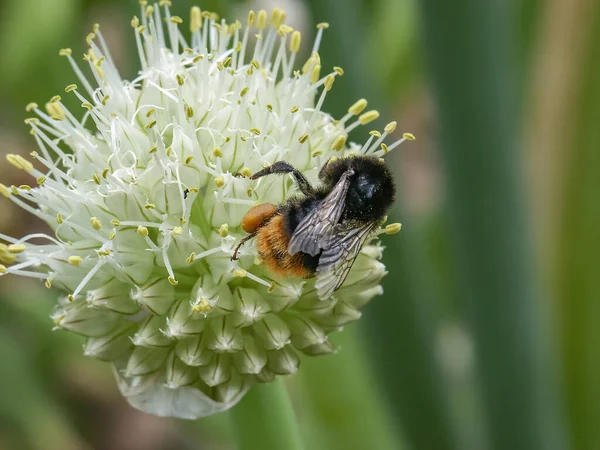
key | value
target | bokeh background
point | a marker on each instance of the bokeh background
(487, 336)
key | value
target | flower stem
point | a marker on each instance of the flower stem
(265, 419)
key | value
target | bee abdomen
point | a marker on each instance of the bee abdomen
(272, 244)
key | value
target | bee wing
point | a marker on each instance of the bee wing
(314, 231)
(337, 259)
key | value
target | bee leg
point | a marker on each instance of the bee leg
(246, 238)
(282, 167)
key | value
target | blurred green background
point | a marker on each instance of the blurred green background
(487, 334)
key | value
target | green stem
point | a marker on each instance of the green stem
(346, 407)
(469, 51)
(265, 419)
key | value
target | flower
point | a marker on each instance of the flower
(145, 208)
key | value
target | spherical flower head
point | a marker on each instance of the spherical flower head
(145, 194)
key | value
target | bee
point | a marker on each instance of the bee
(321, 232)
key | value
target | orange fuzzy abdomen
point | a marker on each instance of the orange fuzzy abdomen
(272, 244)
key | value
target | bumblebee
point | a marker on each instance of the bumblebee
(321, 232)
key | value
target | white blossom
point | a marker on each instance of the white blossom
(145, 207)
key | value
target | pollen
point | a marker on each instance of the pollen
(339, 143)
(393, 228)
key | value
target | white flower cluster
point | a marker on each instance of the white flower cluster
(145, 205)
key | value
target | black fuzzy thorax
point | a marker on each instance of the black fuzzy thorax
(368, 200)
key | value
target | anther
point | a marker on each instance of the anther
(339, 142)
(224, 230)
(75, 260)
(368, 117)
(358, 107)
(95, 222)
(390, 127)
(142, 231)
(393, 228)
(16, 248)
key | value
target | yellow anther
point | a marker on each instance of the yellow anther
(224, 230)
(189, 159)
(14, 190)
(89, 38)
(48, 283)
(176, 19)
(95, 222)
(322, 26)
(55, 110)
(390, 127)
(358, 107)
(255, 64)
(105, 173)
(189, 111)
(104, 100)
(244, 91)
(96, 178)
(302, 139)
(16, 248)
(269, 107)
(194, 190)
(246, 172)
(315, 74)
(40, 180)
(255, 131)
(75, 260)
(409, 136)
(317, 153)
(202, 306)
(59, 218)
(227, 62)
(135, 22)
(177, 231)
(198, 58)
(25, 187)
(141, 29)
(180, 79)
(275, 14)
(31, 106)
(295, 42)
(55, 99)
(271, 287)
(385, 149)
(149, 10)
(115, 223)
(111, 235)
(217, 153)
(294, 109)
(182, 221)
(169, 151)
(142, 231)
(261, 22)
(219, 182)
(26, 165)
(393, 228)
(195, 19)
(329, 82)
(70, 88)
(173, 281)
(151, 124)
(87, 106)
(368, 117)
(104, 252)
(190, 259)
(12, 159)
(339, 142)
(3, 268)
(71, 298)
(165, 3)
(153, 149)
(284, 29)
(143, 2)
(251, 18)
(338, 70)
(375, 133)
(65, 52)
(240, 273)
